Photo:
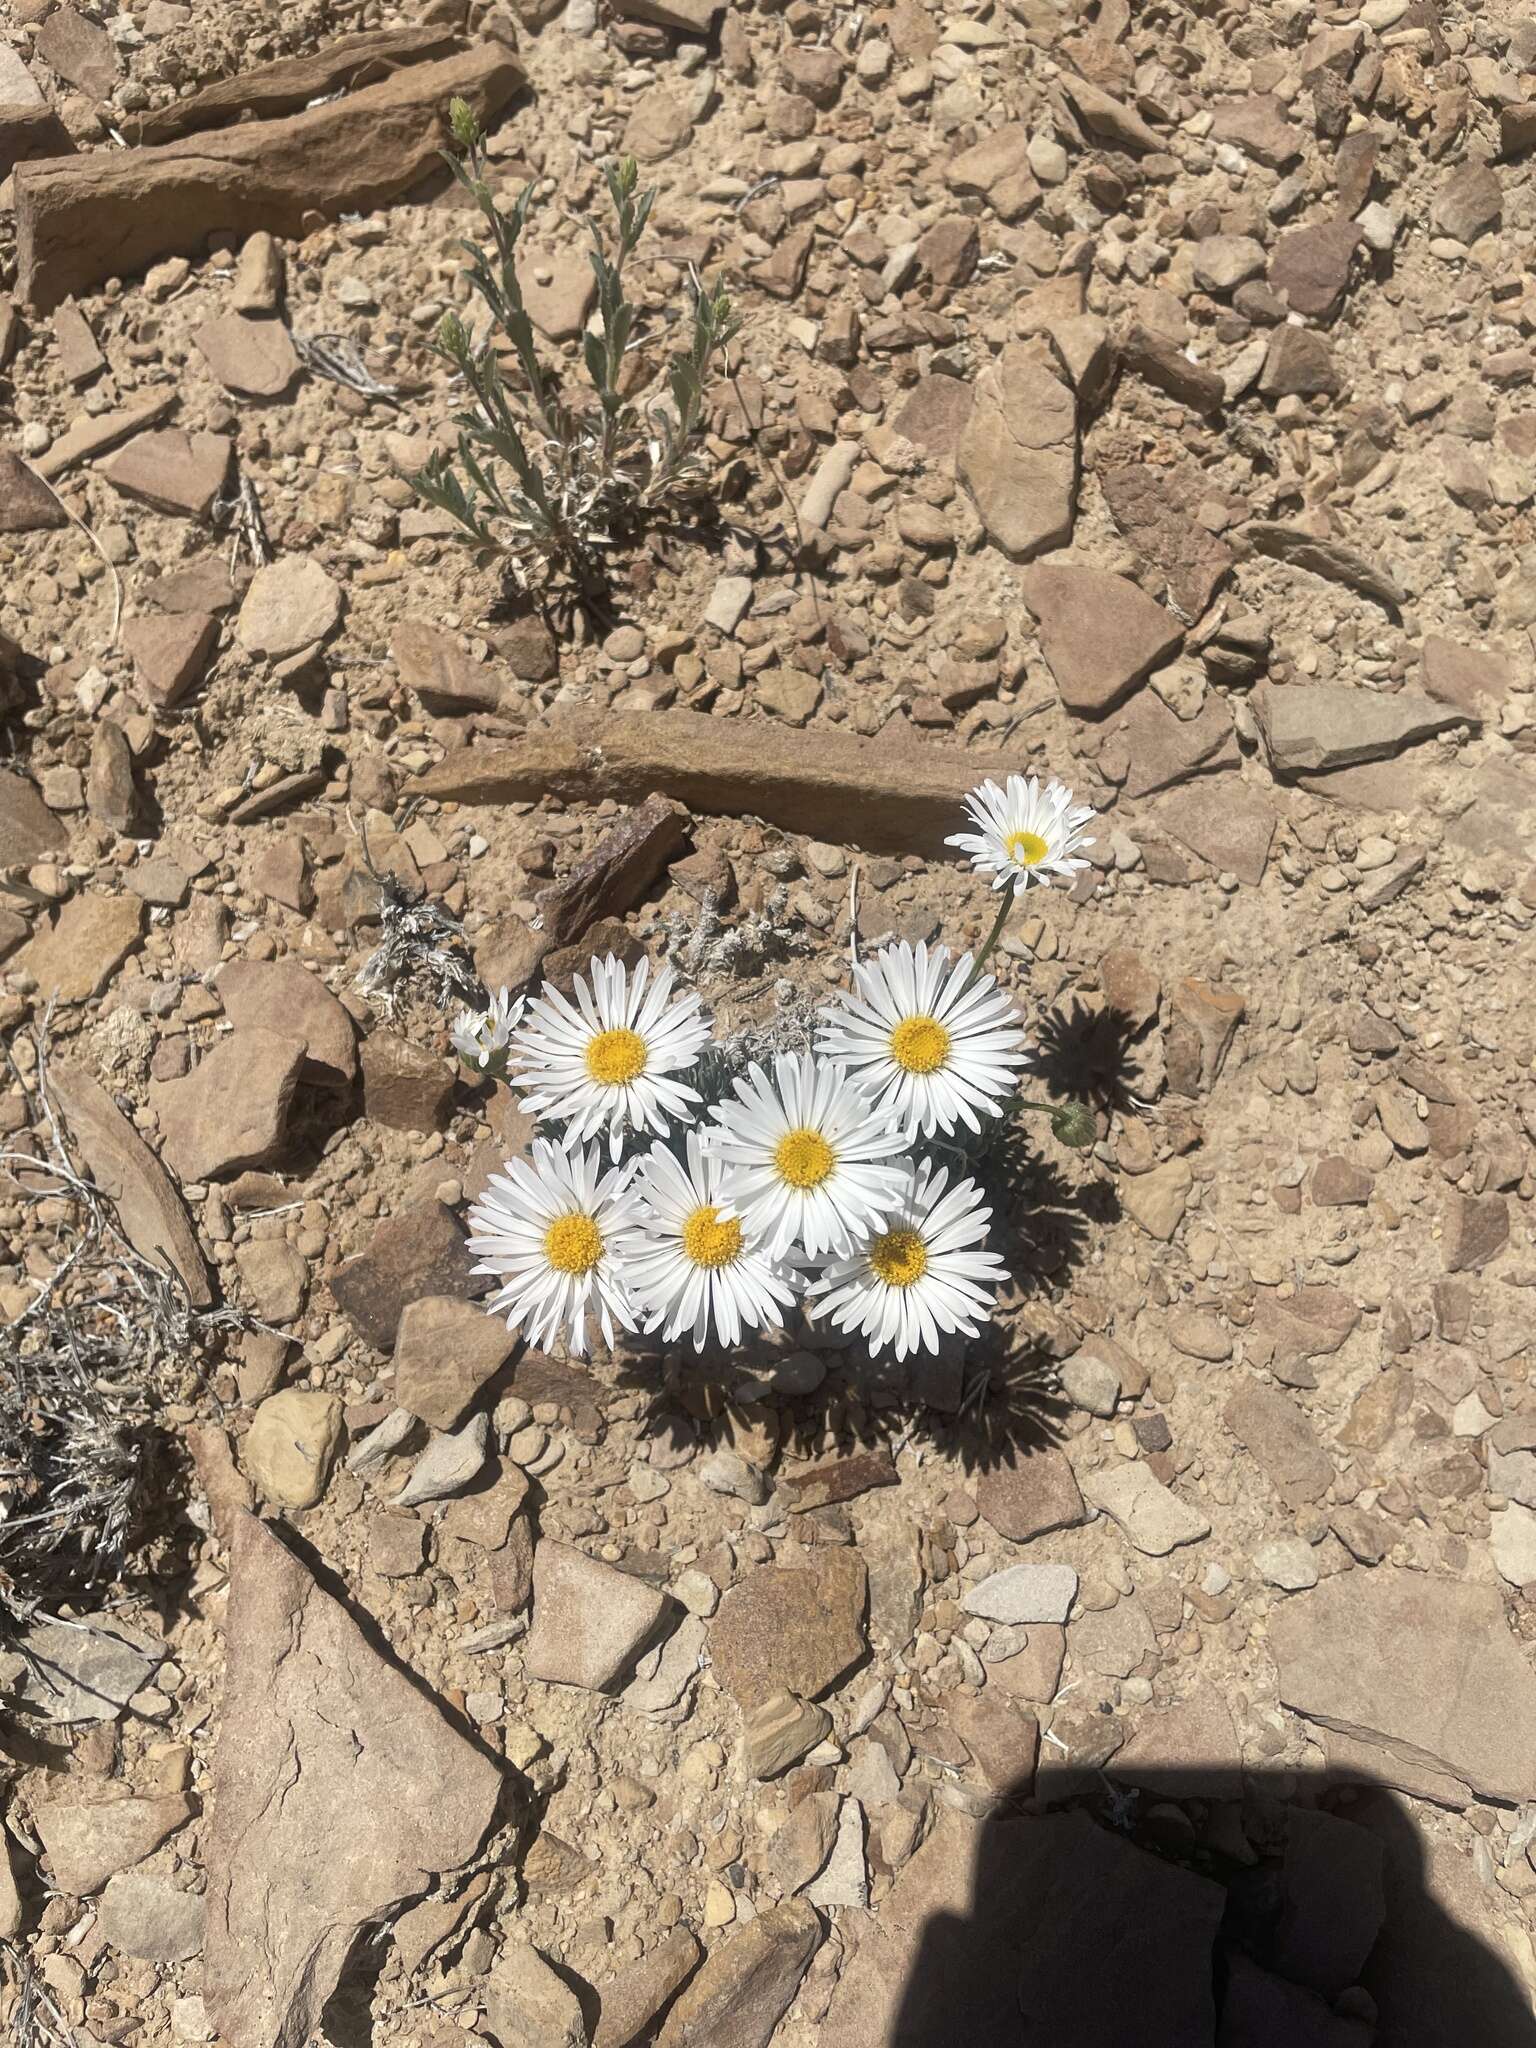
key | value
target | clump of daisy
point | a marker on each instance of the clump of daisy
(702, 1271)
(606, 1064)
(1024, 833)
(921, 1276)
(480, 1037)
(807, 1161)
(934, 1043)
(560, 1235)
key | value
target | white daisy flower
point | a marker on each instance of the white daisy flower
(930, 1045)
(481, 1036)
(560, 1235)
(700, 1269)
(920, 1277)
(1023, 833)
(807, 1160)
(601, 1064)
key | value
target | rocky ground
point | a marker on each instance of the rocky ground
(1137, 395)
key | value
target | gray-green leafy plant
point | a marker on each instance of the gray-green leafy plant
(539, 481)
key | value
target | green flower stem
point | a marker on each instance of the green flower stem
(993, 936)
(1072, 1123)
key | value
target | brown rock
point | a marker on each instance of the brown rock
(1204, 1022)
(28, 125)
(231, 1111)
(1301, 364)
(1099, 634)
(1339, 1184)
(1330, 559)
(1003, 1742)
(1281, 1442)
(997, 169)
(291, 604)
(1030, 1494)
(791, 1628)
(747, 1982)
(170, 652)
(89, 1843)
(935, 413)
(280, 995)
(591, 1623)
(1310, 266)
(1159, 360)
(79, 52)
(341, 1792)
(254, 358)
(625, 863)
(26, 503)
(147, 1202)
(202, 586)
(169, 469)
(1179, 1749)
(1470, 203)
(1312, 726)
(115, 212)
(403, 1087)
(1474, 679)
(446, 1351)
(1421, 1669)
(1257, 126)
(292, 83)
(838, 1479)
(28, 829)
(432, 663)
(1377, 1410)
(111, 795)
(779, 1730)
(91, 433)
(1148, 512)
(659, 125)
(76, 956)
(1476, 1230)
(1108, 117)
(417, 1252)
(883, 795)
(1017, 455)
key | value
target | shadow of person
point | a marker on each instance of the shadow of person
(1191, 1908)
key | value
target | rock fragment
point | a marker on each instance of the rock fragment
(290, 1446)
(590, 1622)
(1152, 1517)
(1017, 455)
(114, 212)
(28, 125)
(527, 2005)
(448, 1464)
(630, 2002)
(1100, 634)
(1309, 727)
(1420, 1669)
(289, 84)
(446, 1352)
(252, 358)
(1281, 1441)
(1029, 1494)
(1150, 515)
(779, 1730)
(231, 1111)
(1024, 1593)
(790, 1628)
(291, 604)
(1310, 266)
(280, 995)
(88, 1843)
(87, 1669)
(170, 652)
(148, 1204)
(26, 503)
(434, 665)
(746, 1983)
(149, 1917)
(617, 873)
(170, 469)
(76, 956)
(1331, 559)
(341, 1791)
(418, 1251)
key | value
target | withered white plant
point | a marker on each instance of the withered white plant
(546, 483)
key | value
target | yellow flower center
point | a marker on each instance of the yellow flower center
(615, 1057)
(920, 1045)
(710, 1239)
(1026, 849)
(900, 1258)
(573, 1244)
(804, 1158)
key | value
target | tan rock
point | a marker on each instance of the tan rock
(148, 1204)
(290, 84)
(787, 1628)
(1100, 634)
(446, 1351)
(280, 995)
(253, 358)
(170, 652)
(290, 1446)
(88, 1843)
(1017, 455)
(291, 604)
(231, 1111)
(170, 469)
(590, 1622)
(747, 1982)
(74, 958)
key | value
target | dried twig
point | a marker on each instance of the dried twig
(335, 356)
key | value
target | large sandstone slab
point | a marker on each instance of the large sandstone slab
(114, 212)
(1422, 1671)
(1321, 726)
(289, 84)
(341, 1791)
(231, 1111)
(76, 956)
(1018, 455)
(1099, 634)
(280, 995)
(885, 796)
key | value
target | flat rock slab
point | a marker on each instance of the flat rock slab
(74, 958)
(279, 995)
(746, 1983)
(1099, 634)
(419, 1251)
(231, 1111)
(1152, 1517)
(113, 213)
(1319, 726)
(149, 1205)
(172, 470)
(341, 1791)
(87, 1669)
(26, 503)
(170, 652)
(1017, 455)
(289, 84)
(590, 1622)
(446, 1351)
(1100, 1944)
(784, 1628)
(1150, 512)
(1225, 823)
(253, 358)
(1281, 1441)
(291, 604)
(882, 795)
(1024, 1593)
(28, 829)
(1333, 560)
(88, 1843)
(1420, 1670)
